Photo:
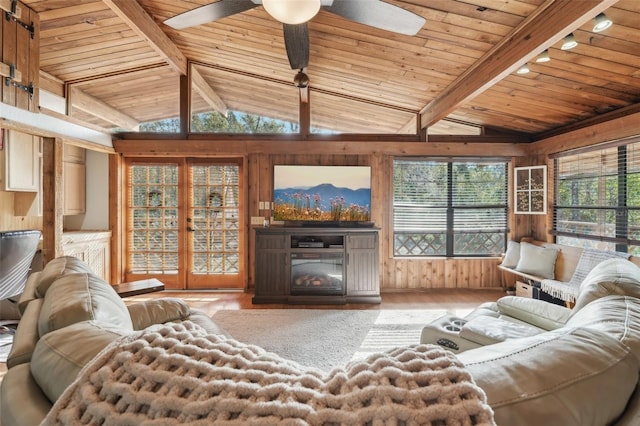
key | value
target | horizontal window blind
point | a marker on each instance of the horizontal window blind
(597, 198)
(449, 208)
(152, 237)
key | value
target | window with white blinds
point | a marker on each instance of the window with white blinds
(597, 198)
(449, 208)
(153, 219)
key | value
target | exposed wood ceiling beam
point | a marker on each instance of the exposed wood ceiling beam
(142, 24)
(45, 125)
(551, 22)
(98, 108)
(207, 93)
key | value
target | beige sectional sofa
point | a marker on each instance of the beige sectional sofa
(537, 363)
(63, 347)
(68, 316)
(545, 364)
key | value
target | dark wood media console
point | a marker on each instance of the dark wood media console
(316, 265)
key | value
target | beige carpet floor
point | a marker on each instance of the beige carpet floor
(324, 338)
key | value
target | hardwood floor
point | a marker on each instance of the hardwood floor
(213, 301)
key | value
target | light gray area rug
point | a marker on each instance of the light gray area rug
(324, 338)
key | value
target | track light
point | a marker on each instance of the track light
(292, 13)
(602, 23)
(543, 57)
(569, 42)
(523, 69)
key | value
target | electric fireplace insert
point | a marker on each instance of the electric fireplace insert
(317, 273)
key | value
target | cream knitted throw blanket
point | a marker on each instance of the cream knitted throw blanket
(176, 373)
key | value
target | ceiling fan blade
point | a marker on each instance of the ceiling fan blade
(379, 14)
(296, 41)
(208, 13)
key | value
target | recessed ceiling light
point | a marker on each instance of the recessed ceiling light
(543, 57)
(602, 23)
(569, 42)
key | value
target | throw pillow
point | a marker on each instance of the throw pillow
(536, 260)
(512, 255)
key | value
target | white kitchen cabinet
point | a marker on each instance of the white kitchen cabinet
(20, 159)
(74, 175)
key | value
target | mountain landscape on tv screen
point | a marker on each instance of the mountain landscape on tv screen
(322, 202)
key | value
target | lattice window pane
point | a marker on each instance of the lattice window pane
(153, 237)
(597, 197)
(436, 200)
(215, 196)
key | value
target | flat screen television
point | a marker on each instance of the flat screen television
(322, 195)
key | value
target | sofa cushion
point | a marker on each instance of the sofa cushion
(21, 399)
(569, 377)
(203, 320)
(536, 260)
(488, 309)
(157, 311)
(81, 297)
(617, 316)
(536, 312)
(490, 330)
(60, 355)
(29, 292)
(57, 268)
(612, 276)
(26, 337)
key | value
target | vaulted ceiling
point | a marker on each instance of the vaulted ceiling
(458, 74)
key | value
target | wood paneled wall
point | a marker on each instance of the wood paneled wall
(532, 225)
(397, 274)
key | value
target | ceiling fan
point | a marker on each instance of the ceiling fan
(294, 15)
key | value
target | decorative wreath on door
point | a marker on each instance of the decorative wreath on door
(215, 200)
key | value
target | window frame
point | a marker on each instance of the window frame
(450, 230)
(622, 240)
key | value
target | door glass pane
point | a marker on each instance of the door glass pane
(153, 209)
(214, 219)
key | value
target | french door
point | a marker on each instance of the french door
(184, 221)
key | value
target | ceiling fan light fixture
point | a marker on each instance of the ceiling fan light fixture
(543, 57)
(602, 23)
(301, 80)
(292, 12)
(569, 42)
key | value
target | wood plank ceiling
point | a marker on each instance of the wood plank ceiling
(458, 73)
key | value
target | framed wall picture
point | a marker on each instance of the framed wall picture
(530, 190)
